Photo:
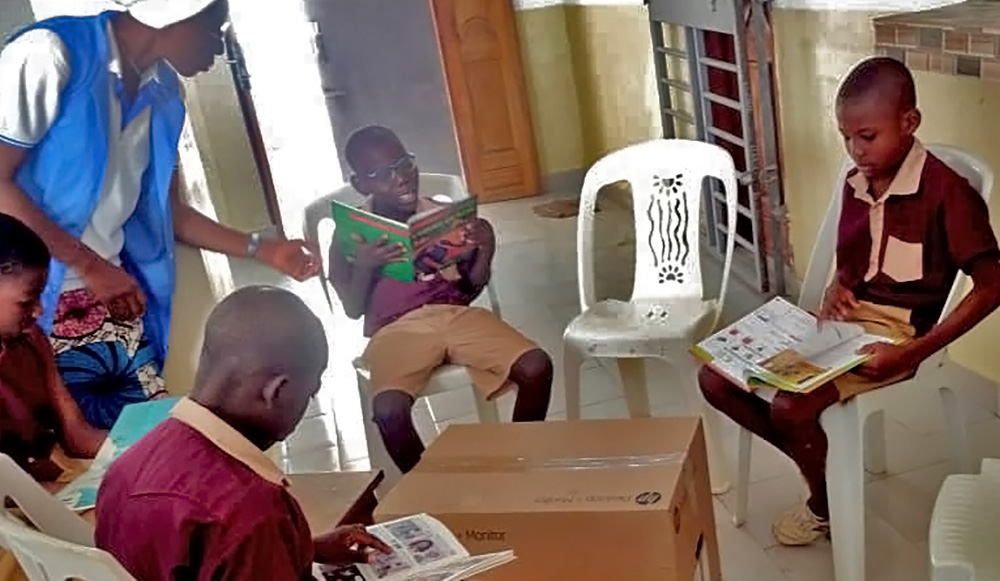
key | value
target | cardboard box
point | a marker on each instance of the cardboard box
(329, 499)
(608, 499)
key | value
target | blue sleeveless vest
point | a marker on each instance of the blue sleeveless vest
(64, 173)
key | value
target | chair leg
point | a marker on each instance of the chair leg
(743, 477)
(572, 361)
(958, 435)
(486, 409)
(633, 372)
(845, 489)
(719, 464)
(874, 443)
(378, 456)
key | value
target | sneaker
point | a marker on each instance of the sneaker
(798, 527)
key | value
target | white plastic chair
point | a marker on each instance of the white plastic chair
(848, 425)
(962, 537)
(45, 511)
(46, 558)
(447, 378)
(668, 311)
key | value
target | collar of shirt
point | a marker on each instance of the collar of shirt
(227, 439)
(906, 182)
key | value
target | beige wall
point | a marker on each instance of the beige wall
(814, 48)
(590, 81)
(552, 88)
(613, 64)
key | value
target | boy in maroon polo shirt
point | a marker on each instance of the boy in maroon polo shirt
(36, 409)
(197, 498)
(415, 327)
(908, 224)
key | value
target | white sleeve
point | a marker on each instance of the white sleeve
(34, 69)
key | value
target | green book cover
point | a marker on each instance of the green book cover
(433, 240)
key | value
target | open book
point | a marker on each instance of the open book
(424, 550)
(434, 240)
(135, 421)
(782, 346)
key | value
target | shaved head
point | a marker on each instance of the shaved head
(367, 138)
(882, 78)
(261, 362)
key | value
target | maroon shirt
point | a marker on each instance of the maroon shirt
(905, 249)
(29, 423)
(193, 500)
(390, 299)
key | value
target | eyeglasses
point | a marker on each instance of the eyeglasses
(404, 165)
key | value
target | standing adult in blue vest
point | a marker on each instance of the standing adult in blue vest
(91, 112)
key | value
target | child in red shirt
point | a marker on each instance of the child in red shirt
(36, 410)
(908, 225)
(415, 327)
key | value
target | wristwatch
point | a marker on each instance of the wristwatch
(253, 245)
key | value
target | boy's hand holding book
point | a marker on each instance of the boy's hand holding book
(481, 234)
(372, 256)
(887, 360)
(838, 303)
(348, 544)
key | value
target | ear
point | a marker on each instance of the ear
(911, 121)
(356, 184)
(273, 389)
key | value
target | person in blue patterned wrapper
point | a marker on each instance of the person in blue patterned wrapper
(91, 112)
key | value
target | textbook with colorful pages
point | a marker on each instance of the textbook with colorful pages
(423, 549)
(782, 346)
(135, 421)
(433, 240)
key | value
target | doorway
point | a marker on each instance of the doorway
(379, 63)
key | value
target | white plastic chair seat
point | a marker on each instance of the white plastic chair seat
(669, 180)
(46, 558)
(640, 328)
(44, 510)
(962, 540)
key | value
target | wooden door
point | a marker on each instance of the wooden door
(489, 101)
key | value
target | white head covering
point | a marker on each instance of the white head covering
(163, 13)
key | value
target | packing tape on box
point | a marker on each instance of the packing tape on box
(480, 464)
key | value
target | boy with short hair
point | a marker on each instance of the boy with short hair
(908, 224)
(197, 498)
(415, 327)
(36, 410)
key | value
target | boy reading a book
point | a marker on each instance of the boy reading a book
(908, 224)
(197, 498)
(415, 327)
(36, 410)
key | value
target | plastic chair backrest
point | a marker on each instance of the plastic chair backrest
(666, 177)
(46, 558)
(823, 258)
(44, 510)
(431, 184)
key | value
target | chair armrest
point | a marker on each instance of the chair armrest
(491, 293)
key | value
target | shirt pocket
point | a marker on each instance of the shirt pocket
(903, 261)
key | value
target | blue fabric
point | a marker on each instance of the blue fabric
(103, 379)
(64, 173)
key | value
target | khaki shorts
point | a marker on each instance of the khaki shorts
(404, 354)
(880, 320)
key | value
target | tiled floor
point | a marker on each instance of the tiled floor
(535, 273)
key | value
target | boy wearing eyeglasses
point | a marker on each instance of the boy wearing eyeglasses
(415, 327)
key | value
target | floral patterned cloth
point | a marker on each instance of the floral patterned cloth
(105, 364)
